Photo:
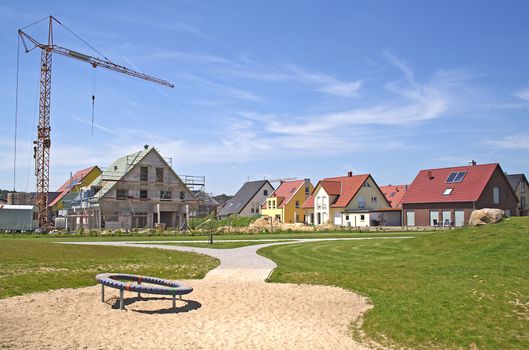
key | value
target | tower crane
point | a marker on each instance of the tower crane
(42, 144)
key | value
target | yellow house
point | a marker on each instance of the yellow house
(74, 184)
(284, 204)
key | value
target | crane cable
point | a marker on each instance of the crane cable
(94, 82)
(16, 117)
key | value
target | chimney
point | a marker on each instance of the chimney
(146, 146)
(349, 174)
(430, 175)
(472, 162)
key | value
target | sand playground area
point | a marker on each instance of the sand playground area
(231, 308)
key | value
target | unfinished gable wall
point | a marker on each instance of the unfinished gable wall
(136, 212)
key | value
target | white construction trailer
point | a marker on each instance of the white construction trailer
(18, 217)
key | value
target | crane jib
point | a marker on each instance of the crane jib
(78, 55)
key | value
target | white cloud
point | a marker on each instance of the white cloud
(343, 89)
(399, 64)
(517, 141)
(523, 94)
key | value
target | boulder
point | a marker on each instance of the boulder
(486, 216)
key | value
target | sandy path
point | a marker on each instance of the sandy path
(232, 308)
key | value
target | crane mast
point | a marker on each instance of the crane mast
(42, 144)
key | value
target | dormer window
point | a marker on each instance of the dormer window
(448, 191)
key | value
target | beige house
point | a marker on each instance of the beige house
(349, 201)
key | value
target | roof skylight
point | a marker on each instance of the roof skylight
(447, 191)
(456, 176)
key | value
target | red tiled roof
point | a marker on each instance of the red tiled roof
(286, 190)
(429, 184)
(345, 187)
(394, 194)
(331, 187)
(74, 180)
(309, 203)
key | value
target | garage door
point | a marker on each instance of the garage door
(338, 219)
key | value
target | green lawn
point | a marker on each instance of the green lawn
(28, 265)
(455, 289)
(219, 245)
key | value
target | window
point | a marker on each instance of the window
(297, 204)
(456, 176)
(144, 174)
(496, 195)
(324, 202)
(257, 208)
(269, 204)
(159, 174)
(307, 190)
(182, 195)
(122, 194)
(139, 220)
(434, 218)
(165, 195)
(373, 199)
(143, 194)
(448, 191)
(522, 187)
(265, 192)
(362, 217)
(361, 202)
(318, 202)
(347, 217)
(522, 202)
(366, 184)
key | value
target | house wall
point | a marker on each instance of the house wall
(368, 193)
(309, 216)
(522, 191)
(272, 209)
(323, 210)
(355, 219)
(508, 200)
(290, 211)
(256, 201)
(422, 211)
(119, 213)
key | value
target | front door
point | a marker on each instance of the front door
(410, 218)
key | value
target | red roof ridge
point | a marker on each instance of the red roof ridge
(462, 166)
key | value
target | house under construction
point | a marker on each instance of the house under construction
(139, 190)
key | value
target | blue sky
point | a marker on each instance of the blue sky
(276, 89)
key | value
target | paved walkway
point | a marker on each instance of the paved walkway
(243, 264)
